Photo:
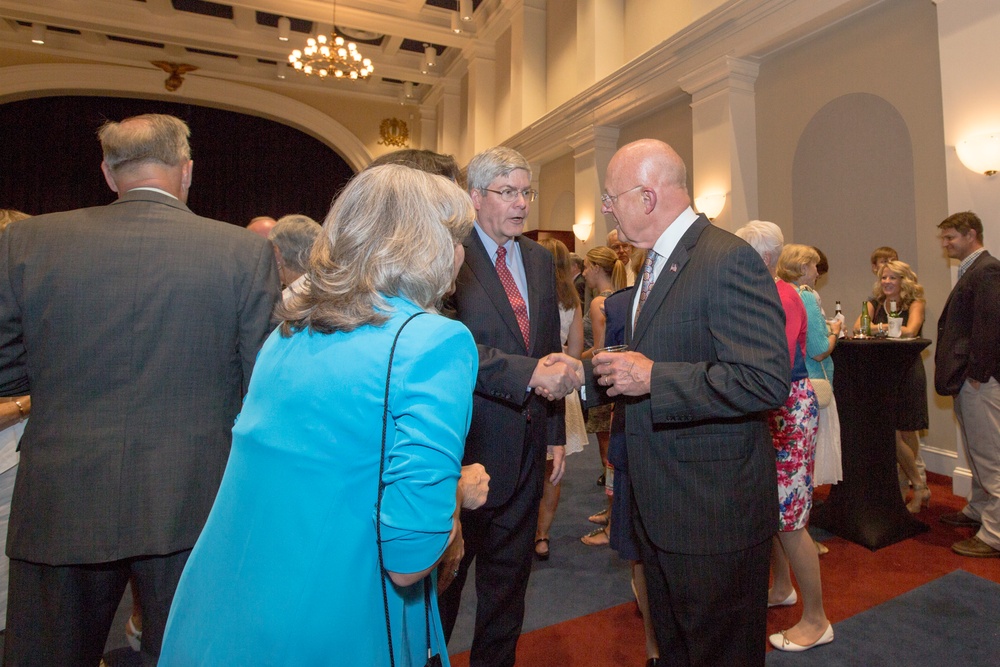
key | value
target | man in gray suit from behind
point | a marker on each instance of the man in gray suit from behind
(134, 327)
(707, 360)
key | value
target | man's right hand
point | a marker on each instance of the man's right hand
(473, 486)
(556, 375)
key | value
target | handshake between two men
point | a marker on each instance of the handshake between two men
(623, 373)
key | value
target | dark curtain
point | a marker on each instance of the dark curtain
(244, 166)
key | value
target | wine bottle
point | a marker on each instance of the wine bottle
(839, 316)
(866, 321)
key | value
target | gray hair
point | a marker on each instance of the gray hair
(294, 236)
(485, 167)
(391, 232)
(144, 139)
(764, 237)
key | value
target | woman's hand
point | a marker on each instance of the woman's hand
(452, 557)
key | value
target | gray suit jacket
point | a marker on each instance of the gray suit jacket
(699, 449)
(968, 344)
(134, 327)
(503, 413)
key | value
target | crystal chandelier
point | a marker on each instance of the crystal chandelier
(331, 56)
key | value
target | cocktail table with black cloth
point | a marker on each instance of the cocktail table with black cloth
(866, 507)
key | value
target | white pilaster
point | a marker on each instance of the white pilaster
(527, 67)
(592, 150)
(725, 136)
(600, 39)
(481, 112)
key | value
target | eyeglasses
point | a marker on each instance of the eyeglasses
(511, 194)
(609, 200)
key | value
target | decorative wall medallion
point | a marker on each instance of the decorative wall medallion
(393, 132)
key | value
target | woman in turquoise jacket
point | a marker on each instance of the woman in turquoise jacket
(286, 571)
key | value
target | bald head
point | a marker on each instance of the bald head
(647, 184)
(262, 225)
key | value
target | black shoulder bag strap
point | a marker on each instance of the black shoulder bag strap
(432, 661)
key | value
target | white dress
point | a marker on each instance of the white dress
(576, 428)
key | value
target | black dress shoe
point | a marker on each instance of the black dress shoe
(959, 519)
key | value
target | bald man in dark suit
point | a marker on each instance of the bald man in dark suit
(707, 361)
(135, 327)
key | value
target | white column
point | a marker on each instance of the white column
(481, 128)
(600, 39)
(428, 127)
(527, 67)
(725, 136)
(592, 150)
(450, 122)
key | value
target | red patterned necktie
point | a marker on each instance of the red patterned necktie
(647, 283)
(513, 294)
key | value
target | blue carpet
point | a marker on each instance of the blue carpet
(953, 620)
(577, 579)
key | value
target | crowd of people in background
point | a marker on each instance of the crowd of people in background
(406, 381)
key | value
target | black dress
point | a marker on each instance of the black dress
(910, 407)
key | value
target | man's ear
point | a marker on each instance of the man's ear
(477, 199)
(187, 173)
(648, 200)
(108, 178)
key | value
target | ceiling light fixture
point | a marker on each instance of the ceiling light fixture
(430, 59)
(37, 33)
(456, 23)
(406, 94)
(331, 56)
(284, 26)
(465, 9)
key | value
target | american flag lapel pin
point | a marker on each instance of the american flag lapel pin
(673, 268)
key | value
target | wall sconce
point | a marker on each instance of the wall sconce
(284, 26)
(37, 33)
(583, 230)
(981, 154)
(710, 205)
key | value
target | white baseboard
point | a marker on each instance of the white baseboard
(944, 462)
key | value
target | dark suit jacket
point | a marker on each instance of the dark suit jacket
(505, 417)
(134, 327)
(699, 449)
(968, 341)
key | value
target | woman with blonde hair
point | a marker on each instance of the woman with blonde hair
(898, 283)
(571, 335)
(605, 274)
(796, 264)
(342, 487)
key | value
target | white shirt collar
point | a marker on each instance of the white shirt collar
(671, 236)
(152, 189)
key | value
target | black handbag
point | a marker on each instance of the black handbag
(432, 660)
